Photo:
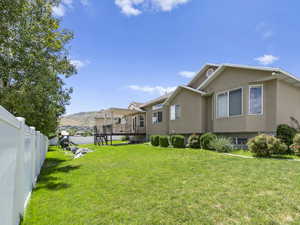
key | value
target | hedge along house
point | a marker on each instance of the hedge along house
(230, 100)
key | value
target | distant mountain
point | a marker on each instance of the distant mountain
(82, 119)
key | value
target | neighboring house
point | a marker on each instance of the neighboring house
(122, 120)
(230, 100)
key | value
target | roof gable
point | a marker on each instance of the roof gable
(276, 72)
(201, 75)
(178, 90)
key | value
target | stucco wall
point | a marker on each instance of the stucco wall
(288, 103)
(159, 128)
(241, 78)
(192, 119)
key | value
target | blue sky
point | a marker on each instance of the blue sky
(134, 50)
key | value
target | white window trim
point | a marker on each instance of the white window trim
(157, 106)
(217, 108)
(175, 118)
(141, 118)
(157, 122)
(262, 100)
(227, 91)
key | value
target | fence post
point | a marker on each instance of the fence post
(19, 195)
(33, 147)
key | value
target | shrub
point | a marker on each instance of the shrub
(295, 147)
(286, 134)
(163, 141)
(194, 141)
(265, 145)
(221, 144)
(205, 140)
(177, 141)
(125, 138)
(154, 140)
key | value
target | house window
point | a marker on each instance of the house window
(175, 112)
(256, 99)
(142, 121)
(222, 105)
(158, 106)
(156, 117)
(230, 103)
(235, 102)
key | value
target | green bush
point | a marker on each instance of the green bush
(222, 144)
(205, 140)
(286, 134)
(164, 141)
(125, 138)
(194, 141)
(154, 140)
(265, 145)
(295, 147)
(177, 141)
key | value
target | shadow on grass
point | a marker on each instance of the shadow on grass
(48, 178)
(281, 157)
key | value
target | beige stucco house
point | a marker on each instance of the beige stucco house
(129, 120)
(233, 100)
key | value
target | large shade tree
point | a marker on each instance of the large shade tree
(34, 62)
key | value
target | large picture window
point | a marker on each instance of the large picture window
(175, 112)
(230, 103)
(256, 99)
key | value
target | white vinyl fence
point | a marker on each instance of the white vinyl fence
(22, 153)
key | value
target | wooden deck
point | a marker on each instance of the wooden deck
(106, 135)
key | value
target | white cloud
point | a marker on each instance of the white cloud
(78, 63)
(68, 2)
(187, 74)
(128, 6)
(267, 59)
(152, 90)
(262, 25)
(134, 7)
(168, 5)
(265, 30)
(267, 34)
(65, 5)
(59, 10)
(85, 2)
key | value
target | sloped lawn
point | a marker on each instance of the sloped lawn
(140, 184)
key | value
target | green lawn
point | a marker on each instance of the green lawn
(140, 184)
(248, 153)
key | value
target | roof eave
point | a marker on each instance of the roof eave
(178, 89)
(202, 70)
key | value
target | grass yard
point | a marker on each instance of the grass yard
(140, 184)
(283, 156)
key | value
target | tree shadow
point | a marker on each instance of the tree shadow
(48, 178)
(281, 157)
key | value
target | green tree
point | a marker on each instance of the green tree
(34, 62)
